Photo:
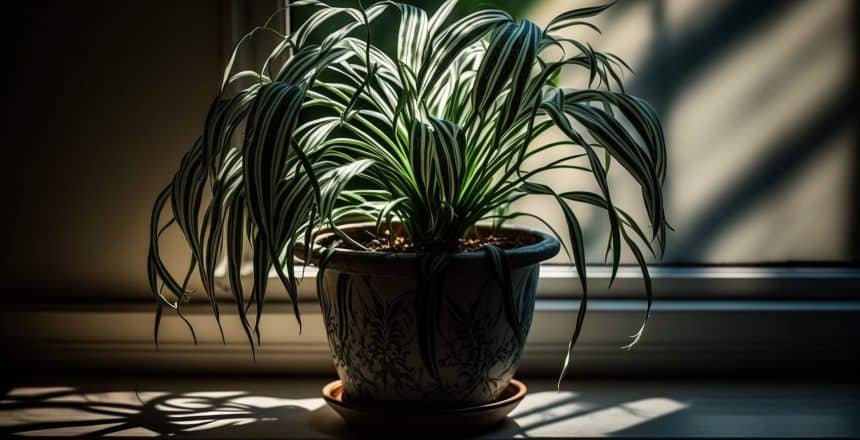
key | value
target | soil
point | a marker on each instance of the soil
(403, 244)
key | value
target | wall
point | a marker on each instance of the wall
(102, 99)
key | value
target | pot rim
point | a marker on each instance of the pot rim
(546, 247)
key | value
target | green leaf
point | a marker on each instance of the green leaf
(431, 272)
(578, 244)
(646, 277)
(450, 42)
(502, 271)
(555, 108)
(235, 245)
(572, 17)
(511, 54)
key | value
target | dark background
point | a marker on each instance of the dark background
(102, 99)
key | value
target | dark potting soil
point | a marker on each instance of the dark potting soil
(402, 243)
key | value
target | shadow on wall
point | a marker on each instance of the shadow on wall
(758, 100)
(672, 64)
(70, 411)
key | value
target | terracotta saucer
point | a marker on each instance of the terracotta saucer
(425, 421)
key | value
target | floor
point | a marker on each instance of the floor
(233, 407)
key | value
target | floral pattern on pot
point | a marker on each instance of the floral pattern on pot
(372, 328)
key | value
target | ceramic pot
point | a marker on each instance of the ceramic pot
(375, 306)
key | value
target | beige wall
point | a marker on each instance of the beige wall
(105, 97)
(758, 102)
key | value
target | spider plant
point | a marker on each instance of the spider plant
(434, 137)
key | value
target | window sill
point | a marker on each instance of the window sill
(258, 407)
(670, 282)
(686, 337)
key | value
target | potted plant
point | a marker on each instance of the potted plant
(394, 173)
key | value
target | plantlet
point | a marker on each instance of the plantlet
(432, 139)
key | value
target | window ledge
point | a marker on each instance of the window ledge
(670, 282)
(259, 407)
(688, 337)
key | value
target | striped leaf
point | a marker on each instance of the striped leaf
(507, 62)
(574, 16)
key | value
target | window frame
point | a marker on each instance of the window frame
(696, 283)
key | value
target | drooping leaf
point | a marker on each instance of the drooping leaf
(502, 271)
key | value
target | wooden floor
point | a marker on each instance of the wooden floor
(233, 407)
